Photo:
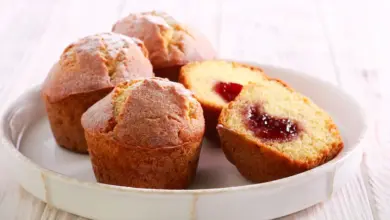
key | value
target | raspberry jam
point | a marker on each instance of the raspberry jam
(269, 127)
(228, 91)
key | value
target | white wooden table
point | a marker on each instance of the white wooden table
(345, 42)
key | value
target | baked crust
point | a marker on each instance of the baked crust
(169, 42)
(171, 73)
(260, 162)
(155, 141)
(86, 72)
(161, 168)
(64, 118)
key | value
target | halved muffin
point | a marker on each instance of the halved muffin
(146, 133)
(88, 70)
(270, 132)
(215, 83)
(171, 44)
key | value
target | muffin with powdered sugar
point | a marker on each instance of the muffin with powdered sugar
(88, 70)
(171, 44)
(147, 133)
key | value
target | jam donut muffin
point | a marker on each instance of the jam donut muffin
(147, 134)
(170, 44)
(215, 83)
(271, 132)
(86, 72)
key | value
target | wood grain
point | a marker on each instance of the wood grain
(359, 56)
(343, 42)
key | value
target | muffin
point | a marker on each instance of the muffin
(86, 72)
(215, 83)
(170, 44)
(270, 132)
(147, 134)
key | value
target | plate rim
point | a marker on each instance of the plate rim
(12, 149)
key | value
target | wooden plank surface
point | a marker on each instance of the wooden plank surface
(343, 42)
(358, 47)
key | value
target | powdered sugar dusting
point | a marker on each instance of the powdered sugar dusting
(179, 88)
(115, 43)
(89, 44)
(157, 20)
(111, 42)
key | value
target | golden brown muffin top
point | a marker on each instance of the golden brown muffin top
(152, 112)
(97, 62)
(169, 42)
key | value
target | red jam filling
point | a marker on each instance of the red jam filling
(269, 127)
(228, 91)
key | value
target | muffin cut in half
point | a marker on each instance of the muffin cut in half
(171, 44)
(270, 132)
(215, 83)
(147, 134)
(86, 72)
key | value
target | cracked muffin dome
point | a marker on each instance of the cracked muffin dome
(170, 43)
(87, 70)
(146, 133)
(215, 83)
(270, 132)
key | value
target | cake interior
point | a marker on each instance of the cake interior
(314, 134)
(203, 77)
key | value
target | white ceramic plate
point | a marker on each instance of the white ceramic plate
(65, 180)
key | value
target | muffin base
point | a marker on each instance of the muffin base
(171, 73)
(211, 115)
(259, 163)
(159, 168)
(65, 119)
